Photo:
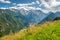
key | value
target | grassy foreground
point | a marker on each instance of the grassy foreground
(46, 31)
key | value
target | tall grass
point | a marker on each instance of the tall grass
(46, 31)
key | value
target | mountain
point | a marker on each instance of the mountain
(58, 14)
(14, 20)
(9, 22)
(32, 16)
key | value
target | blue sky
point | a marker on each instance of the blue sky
(44, 5)
(10, 3)
(4, 4)
(22, 1)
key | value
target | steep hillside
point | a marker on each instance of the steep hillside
(10, 23)
(12, 20)
(46, 31)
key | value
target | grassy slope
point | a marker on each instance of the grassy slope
(47, 31)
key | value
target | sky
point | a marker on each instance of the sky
(44, 5)
(8, 3)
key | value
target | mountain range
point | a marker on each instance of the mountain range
(14, 20)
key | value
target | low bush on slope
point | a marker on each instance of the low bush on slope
(46, 31)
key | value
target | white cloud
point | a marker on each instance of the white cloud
(14, 7)
(28, 4)
(54, 3)
(51, 6)
(3, 8)
(14, 4)
(5, 1)
(33, 3)
(43, 2)
(37, 2)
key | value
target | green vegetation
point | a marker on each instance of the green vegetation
(9, 23)
(46, 31)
